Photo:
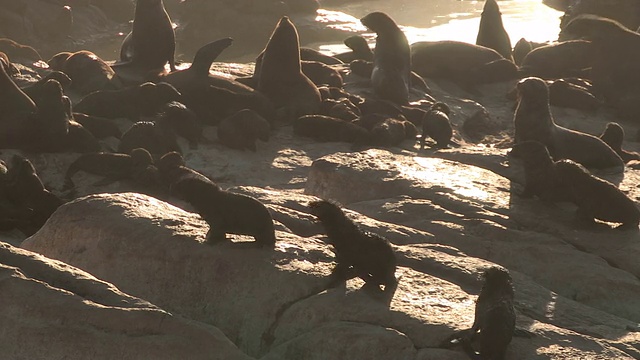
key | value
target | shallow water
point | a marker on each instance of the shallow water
(431, 20)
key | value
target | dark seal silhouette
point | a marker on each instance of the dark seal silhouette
(226, 212)
(359, 253)
(491, 33)
(613, 135)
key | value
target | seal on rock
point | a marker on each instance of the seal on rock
(326, 128)
(226, 212)
(156, 137)
(241, 130)
(597, 198)
(436, 125)
(151, 43)
(391, 75)
(112, 166)
(613, 135)
(533, 121)
(359, 253)
(539, 172)
(280, 76)
(491, 33)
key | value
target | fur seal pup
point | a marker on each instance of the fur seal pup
(613, 135)
(341, 109)
(365, 69)
(436, 125)
(596, 198)
(280, 76)
(359, 253)
(385, 130)
(172, 168)
(25, 188)
(226, 212)
(539, 173)
(157, 137)
(461, 62)
(100, 128)
(360, 50)
(152, 39)
(47, 129)
(241, 130)
(183, 121)
(112, 166)
(391, 75)
(491, 33)
(321, 74)
(326, 128)
(533, 121)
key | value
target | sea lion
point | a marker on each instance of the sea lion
(114, 167)
(495, 319)
(566, 94)
(596, 198)
(539, 172)
(241, 130)
(152, 37)
(156, 137)
(559, 60)
(326, 128)
(391, 75)
(280, 76)
(461, 62)
(132, 102)
(359, 253)
(613, 135)
(491, 33)
(360, 50)
(226, 212)
(533, 121)
(25, 188)
(615, 69)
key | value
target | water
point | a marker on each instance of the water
(432, 20)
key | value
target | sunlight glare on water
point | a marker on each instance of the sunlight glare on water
(448, 20)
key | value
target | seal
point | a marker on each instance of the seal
(280, 76)
(87, 71)
(495, 319)
(47, 129)
(491, 33)
(156, 137)
(113, 166)
(100, 128)
(360, 50)
(464, 63)
(597, 198)
(342, 109)
(308, 54)
(132, 102)
(539, 173)
(391, 75)
(226, 212)
(613, 135)
(25, 189)
(241, 130)
(436, 125)
(359, 253)
(15, 109)
(321, 74)
(151, 43)
(533, 121)
(615, 56)
(559, 60)
(326, 128)
(183, 121)
(385, 130)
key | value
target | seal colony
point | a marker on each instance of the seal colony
(311, 99)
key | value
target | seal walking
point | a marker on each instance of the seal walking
(391, 59)
(533, 121)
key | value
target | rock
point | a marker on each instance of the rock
(49, 309)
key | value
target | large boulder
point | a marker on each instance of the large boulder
(51, 310)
